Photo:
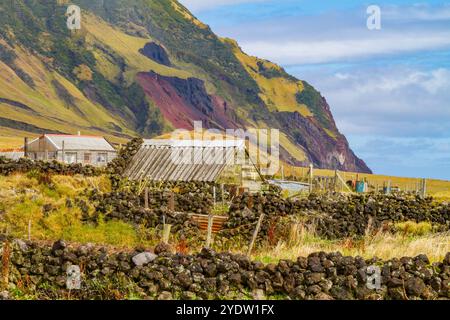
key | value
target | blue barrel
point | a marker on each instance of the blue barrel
(360, 186)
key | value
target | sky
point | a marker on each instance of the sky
(388, 89)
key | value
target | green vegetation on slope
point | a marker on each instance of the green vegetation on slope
(68, 54)
(86, 80)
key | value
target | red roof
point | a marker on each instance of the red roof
(70, 135)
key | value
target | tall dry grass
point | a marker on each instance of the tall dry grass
(302, 241)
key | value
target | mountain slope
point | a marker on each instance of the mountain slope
(144, 67)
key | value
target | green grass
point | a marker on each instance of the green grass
(22, 199)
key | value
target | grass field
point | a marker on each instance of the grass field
(382, 245)
(22, 214)
(22, 200)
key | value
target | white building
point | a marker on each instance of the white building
(86, 150)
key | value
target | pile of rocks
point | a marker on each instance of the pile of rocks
(124, 157)
(24, 165)
(335, 215)
(117, 167)
(353, 215)
(188, 197)
(245, 211)
(129, 207)
(211, 275)
(123, 205)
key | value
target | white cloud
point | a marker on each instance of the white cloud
(338, 36)
(387, 101)
(440, 80)
(342, 76)
(388, 90)
(322, 51)
(421, 12)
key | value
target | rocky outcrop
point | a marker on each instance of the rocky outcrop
(183, 101)
(323, 150)
(156, 52)
(41, 270)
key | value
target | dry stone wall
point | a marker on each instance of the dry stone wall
(108, 274)
(23, 165)
(335, 216)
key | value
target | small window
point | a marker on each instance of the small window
(87, 158)
(70, 157)
(101, 158)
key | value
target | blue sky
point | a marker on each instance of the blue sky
(388, 89)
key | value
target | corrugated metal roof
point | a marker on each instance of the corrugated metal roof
(183, 160)
(227, 143)
(73, 142)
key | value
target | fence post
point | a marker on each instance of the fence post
(210, 225)
(166, 232)
(63, 152)
(172, 202)
(424, 187)
(255, 234)
(29, 230)
(335, 180)
(214, 195)
(25, 147)
(146, 198)
(222, 192)
(311, 176)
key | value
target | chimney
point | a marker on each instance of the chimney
(25, 147)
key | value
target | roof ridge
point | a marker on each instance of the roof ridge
(73, 135)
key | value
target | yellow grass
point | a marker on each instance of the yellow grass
(278, 93)
(330, 133)
(105, 66)
(11, 138)
(293, 150)
(187, 15)
(53, 113)
(439, 189)
(127, 47)
(22, 199)
(383, 245)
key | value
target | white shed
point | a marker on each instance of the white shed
(93, 150)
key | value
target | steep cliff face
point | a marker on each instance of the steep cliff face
(141, 67)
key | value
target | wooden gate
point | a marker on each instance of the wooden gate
(202, 221)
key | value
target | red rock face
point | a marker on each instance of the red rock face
(183, 101)
(322, 150)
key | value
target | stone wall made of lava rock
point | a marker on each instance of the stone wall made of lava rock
(118, 165)
(122, 204)
(24, 165)
(335, 215)
(129, 207)
(41, 269)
